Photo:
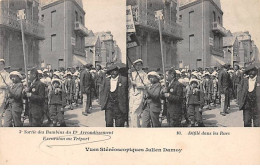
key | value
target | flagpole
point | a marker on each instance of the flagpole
(159, 16)
(22, 16)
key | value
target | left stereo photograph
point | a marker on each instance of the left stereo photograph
(63, 63)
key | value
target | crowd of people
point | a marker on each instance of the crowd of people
(184, 94)
(137, 97)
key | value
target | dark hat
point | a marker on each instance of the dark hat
(250, 68)
(88, 66)
(226, 66)
(111, 68)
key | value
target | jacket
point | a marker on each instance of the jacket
(175, 100)
(36, 101)
(224, 82)
(122, 87)
(58, 98)
(244, 91)
(15, 97)
(195, 98)
(86, 82)
(153, 97)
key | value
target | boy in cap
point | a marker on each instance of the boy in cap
(57, 102)
(152, 106)
(69, 89)
(14, 104)
(250, 98)
(77, 87)
(207, 88)
(195, 102)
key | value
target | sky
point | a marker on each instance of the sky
(242, 15)
(104, 15)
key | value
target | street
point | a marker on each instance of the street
(211, 118)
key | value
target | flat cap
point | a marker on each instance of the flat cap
(153, 73)
(17, 74)
(138, 60)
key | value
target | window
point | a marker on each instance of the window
(53, 42)
(42, 18)
(214, 16)
(191, 19)
(53, 13)
(77, 16)
(180, 18)
(219, 20)
(81, 20)
(191, 42)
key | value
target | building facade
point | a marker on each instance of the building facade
(11, 48)
(65, 33)
(203, 32)
(231, 50)
(248, 51)
(93, 50)
(147, 32)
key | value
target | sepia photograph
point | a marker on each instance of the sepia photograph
(129, 82)
(194, 63)
(55, 56)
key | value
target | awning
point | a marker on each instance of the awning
(79, 60)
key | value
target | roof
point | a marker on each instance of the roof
(90, 41)
(229, 41)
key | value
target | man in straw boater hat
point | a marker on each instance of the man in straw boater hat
(4, 83)
(114, 97)
(152, 108)
(138, 79)
(249, 100)
(14, 104)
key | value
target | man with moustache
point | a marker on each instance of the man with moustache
(250, 97)
(174, 96)
(36, 96)
(114, 97)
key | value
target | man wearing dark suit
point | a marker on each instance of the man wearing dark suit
(99, 80)
(250, 97)
(174, 95)
(224, 82)
(237, 77)
(36, 96)
(152, 106)
(86, 85)
(114, 97)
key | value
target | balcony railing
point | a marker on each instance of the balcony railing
(147, 20)
(218, 52)
(81, 29)
(219, 29)
(8, 18)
